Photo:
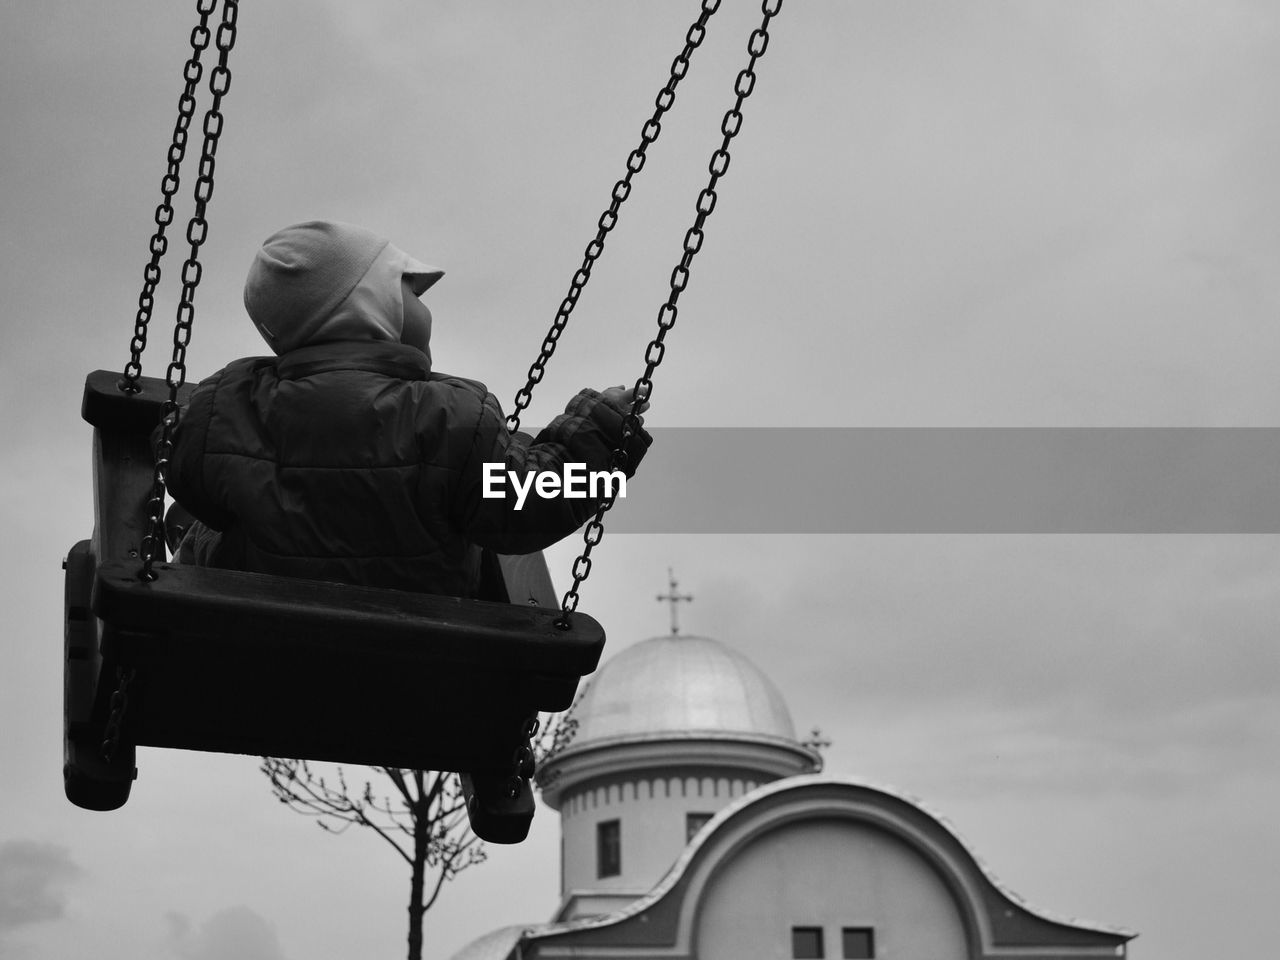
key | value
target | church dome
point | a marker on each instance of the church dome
(681, 685)
(675, 703)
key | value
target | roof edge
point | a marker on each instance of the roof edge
(797, 784)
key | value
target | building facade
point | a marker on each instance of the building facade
(695, 824)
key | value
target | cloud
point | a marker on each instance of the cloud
(1136, 665)
(31, 877)
(236, 933)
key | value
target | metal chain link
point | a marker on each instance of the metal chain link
(706, 203)
(191, 72)
(522, 761)
(197, 230)
(115, 720)
(621, 190)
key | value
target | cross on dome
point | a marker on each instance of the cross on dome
(674, 598)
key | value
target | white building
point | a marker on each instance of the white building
(694, 824)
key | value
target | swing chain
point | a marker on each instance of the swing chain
(621, 190)
(522, 760)
(115, 720)
(757, 43)
(197, 230)
(191, 72)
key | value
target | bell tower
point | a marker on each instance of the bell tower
(670, 732)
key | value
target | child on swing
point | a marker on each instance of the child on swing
(345, 457)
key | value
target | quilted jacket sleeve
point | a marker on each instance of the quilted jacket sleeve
(187, 480)
(584, 435)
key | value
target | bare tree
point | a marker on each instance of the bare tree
(420, 814)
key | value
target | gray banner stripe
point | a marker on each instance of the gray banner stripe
(964, 480)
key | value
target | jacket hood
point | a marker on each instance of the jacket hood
(321, 281)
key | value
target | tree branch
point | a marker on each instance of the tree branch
(425, 806)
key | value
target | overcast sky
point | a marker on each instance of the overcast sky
(938, 214)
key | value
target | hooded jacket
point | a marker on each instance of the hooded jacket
(353, 462)
(346, 458)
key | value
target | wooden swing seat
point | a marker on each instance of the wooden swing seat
(245, 663)
(235, 662)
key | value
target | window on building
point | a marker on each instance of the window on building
(609, 848)
(693, 822)
(858, 943)
(806, 943)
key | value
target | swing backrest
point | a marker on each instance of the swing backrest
(247, 663)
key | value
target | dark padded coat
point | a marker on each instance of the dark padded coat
(353, 462)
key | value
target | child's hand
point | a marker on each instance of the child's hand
(621, 399)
